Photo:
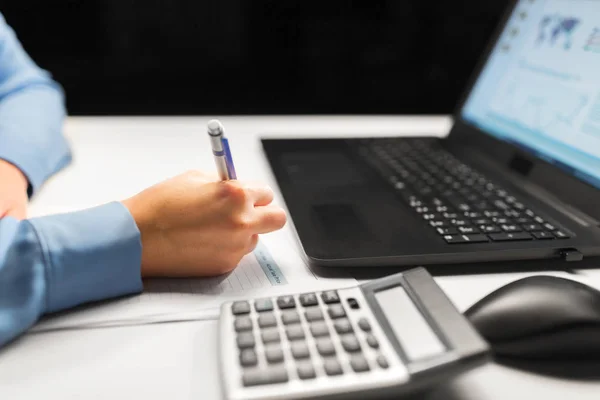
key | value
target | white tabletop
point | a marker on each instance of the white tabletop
(115, 158)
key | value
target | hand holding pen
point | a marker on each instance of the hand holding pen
(221, 151)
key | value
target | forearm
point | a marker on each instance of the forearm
(53, 263)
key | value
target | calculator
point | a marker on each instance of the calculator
(389, 336)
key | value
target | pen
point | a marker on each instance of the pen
(221, 150)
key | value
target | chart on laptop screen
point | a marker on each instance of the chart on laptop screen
(541, 85)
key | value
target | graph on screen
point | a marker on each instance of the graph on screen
(557, 30)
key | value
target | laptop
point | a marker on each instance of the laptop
(517, 178)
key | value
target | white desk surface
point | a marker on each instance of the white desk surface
(115, 158)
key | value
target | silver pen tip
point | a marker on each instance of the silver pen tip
(215, 128)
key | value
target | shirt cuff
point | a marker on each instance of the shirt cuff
(91, 255)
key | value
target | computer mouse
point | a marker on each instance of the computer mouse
(541, 318)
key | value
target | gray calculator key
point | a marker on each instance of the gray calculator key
(240, 307)
(248, 358)
(372, 341)
(309, 299)
(300, 350)
(319, 328)
(284, 302)
(350, 343)
(265, 376)
(342, 326)
(261, 305)
(267, 320)
(325, 347)
(332, 367)
(306, 371)
(364, 324)
(336, 311)
(381, 360)
(294, 332)
(245, 340)
(243, 324)
(330, 297)
(270, 336)
(274, 353)
(359, 363)
(290, 317)
(314, 314)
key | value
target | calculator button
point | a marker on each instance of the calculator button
(353, 303)
(336, 311)
(300, 350)
(284, 302)
(245, 340)
(364, 324)
(265, 376)
(270, 336)
(350, 343)
(342, 326)
(381, 360)
(295, 332)
(372, 341)
(306, 371)
(314, 314)
(290, 317)
(332, 367)
(274, 353)
(359, 363)
(319, 329)
(242, 324)
(248, 358)
(325, 347)
(330, 297)
(261, 305)
(240, 307)
(267, 320)
(309, 299)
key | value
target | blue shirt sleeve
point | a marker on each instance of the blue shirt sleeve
(32, 113)
(52, 263)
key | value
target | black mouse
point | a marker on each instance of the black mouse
(541, 318)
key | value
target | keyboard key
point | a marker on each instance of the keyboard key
(468, 229)
(245, 340)
(313, 314)
(482, 221)
(533, 227)
(325, 347)
(332, 367)
(306, 371)
(300, 350)
(523, 220)
(290, 317)
(330, 297)
(372, 341)
(267, 320)
(511, 228)
(501, 220)
(342, 326)
(543, 235)
(319, 329)
(262, 305)
(381, 360)
(460, 222)
(560, 235)
(284, 302)
(447, 231)
(505, 237)
(350, 343)
(248, 358)
(539, 220)
(309, 299)
(274, 353)
(491, 214)
(242, 324)
(270, 336)
(549, 227)
(450, 215)
(490, 229)
(364, 324)
(240, 307)
(294, 332)
(439, 224)
(265, 376)
(476, 238)
(336, 311)
(359, 363)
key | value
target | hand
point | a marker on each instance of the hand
(13, 191)
(195, 225)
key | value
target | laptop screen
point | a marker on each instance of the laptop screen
(540, 88)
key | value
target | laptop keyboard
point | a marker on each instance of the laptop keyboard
(459, 203)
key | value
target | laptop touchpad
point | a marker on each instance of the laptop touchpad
(339, 220)
(324, 168)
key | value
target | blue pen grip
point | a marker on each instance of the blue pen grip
(229, 159)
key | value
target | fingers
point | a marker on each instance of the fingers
(261, 195)
(269, 218)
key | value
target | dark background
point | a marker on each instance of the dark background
(129, 57)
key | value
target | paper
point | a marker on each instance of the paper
(258, 274)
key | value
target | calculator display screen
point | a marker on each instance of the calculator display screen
(416, 337)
